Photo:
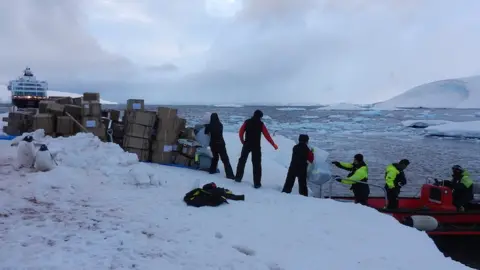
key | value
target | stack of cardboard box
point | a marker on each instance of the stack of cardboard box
(169, 126)
(91, 111)
(138, 127)
(19, 122)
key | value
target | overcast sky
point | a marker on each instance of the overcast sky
(232, 51)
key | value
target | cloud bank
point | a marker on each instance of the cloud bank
(268, 51)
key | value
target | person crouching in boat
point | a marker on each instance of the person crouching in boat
(394, 181)
(461, 185)
(358, 173)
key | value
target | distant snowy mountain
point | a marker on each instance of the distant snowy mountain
(455, 93)
(5, 95)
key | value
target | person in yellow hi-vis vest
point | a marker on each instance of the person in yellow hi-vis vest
(358, 173)
(394, 181)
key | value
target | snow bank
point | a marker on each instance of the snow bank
(5, 96)
(341, 107)
(424, 123)
(469, 129)
(102, 209)
(454, 93)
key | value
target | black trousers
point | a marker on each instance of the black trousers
(301, 174)
(392, 196)
(361, 193)
(256, 163)
(219, 151)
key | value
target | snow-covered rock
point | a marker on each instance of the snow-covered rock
(5, 95)
(102, 209)
(468, 129)
(424, 123)
(454, 93)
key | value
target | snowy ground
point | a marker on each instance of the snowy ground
(101, 209)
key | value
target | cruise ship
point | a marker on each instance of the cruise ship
(27, 91)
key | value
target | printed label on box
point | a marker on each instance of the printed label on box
(136, 106)
(91, 123)
(86, 106)
(167, 148)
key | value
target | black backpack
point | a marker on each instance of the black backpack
(200, 197)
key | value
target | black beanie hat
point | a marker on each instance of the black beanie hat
(258, 114)
(358, 157)
(303, 138)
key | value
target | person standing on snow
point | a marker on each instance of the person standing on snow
(250, 135)
(394, 181)
(301, 155)
(358, 173)
(462, 186)
(217, 146)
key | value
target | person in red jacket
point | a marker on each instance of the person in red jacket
(250, 135)
(301, 155)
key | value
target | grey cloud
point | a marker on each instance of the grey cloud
(364, 51)
(49, 36)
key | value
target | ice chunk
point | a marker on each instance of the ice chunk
(469, 129)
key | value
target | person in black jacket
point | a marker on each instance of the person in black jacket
(217, 146)
(301, 154)
(250, 134)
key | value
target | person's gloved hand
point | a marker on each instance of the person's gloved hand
(336, 163)
(275, 147)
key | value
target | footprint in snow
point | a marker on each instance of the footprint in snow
(245, 250)
(218, 235)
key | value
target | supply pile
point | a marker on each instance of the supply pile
(159, 136)
(59, 116)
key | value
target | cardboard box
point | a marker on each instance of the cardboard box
(162, 157)
(95, 126)
(42, 105)
(91, 108)
(44, 121)
(114, 115)
(166, 113)
(169, 129)
(167, 136)
(143, 155)
(64, 100)
(135, 104)
(91, 96)
(138, 131)
(187, 150)
(118, 130)
(187, 133)
(77, 101)
(137, 143)
(56, 109)
(65, 126)
(99, 131)
(74, 110)
(183, 160)
(91, 122)
(144, 118)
